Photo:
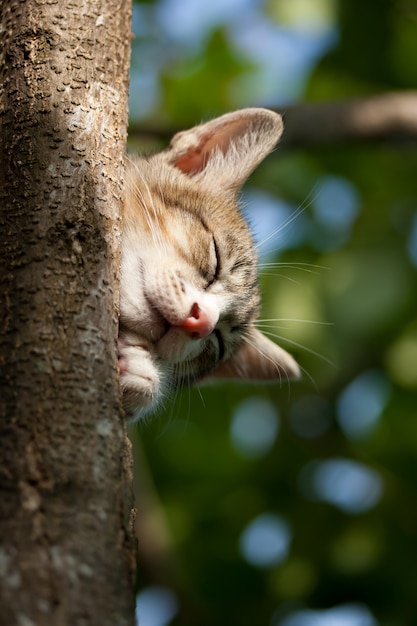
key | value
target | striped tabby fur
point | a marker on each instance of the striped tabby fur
(189, 279)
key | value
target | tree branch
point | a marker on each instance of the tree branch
(389, 117)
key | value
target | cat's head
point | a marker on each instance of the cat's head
(191, 250)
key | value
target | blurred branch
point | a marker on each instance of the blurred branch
(389, 118)
(157, 555)
(155, 543)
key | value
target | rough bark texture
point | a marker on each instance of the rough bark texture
(66, 551)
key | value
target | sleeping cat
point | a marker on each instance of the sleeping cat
(189, 281)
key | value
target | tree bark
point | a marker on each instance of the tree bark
(66, 548)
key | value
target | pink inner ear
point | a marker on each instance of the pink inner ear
(191, 162)
(195, 160)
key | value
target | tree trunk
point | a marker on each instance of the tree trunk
(66, 549)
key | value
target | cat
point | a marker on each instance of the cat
(189, 294)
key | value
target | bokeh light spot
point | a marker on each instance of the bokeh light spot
(360, 405)
(254, 427)
(412, 242)
(265, 542)
(348, 485)
(155, 606)
(343, 615)
(278, 226)
(335, 208)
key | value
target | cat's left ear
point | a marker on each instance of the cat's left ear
(227, 149)
(258, 358)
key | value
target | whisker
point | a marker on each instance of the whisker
(261, 322)
(302, 267)
(280, 371)
(299, 211)
(310, 377)
(299, 345)
(275, 275)
(184, 370)
(187, 374)
(311, 197)
(147, 204)
(200, 393)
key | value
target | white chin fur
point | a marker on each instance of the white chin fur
(176, 346)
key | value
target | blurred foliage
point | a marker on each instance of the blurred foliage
(352, 276)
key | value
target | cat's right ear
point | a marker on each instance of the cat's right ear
(227, 149)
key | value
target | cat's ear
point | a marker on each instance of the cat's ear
(258, 358)
(227, 149)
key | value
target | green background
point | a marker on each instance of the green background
(335, 478)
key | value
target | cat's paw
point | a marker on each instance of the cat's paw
(140, 377)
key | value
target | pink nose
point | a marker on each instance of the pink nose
(197, 324)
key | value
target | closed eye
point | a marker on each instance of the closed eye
(218, 264)
(217, 268)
